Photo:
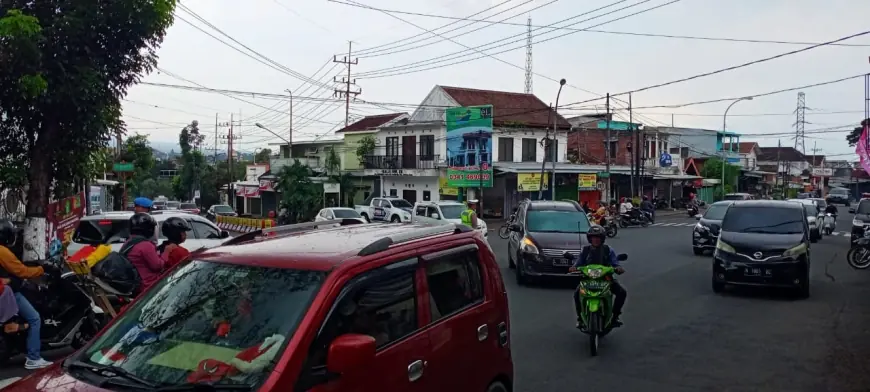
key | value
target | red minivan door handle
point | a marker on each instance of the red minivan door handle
(415, 370)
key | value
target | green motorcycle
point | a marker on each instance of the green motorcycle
(596, 301)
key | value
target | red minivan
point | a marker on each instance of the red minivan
(359, 307)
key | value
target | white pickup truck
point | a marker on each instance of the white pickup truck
(446, 211)
(389, 209)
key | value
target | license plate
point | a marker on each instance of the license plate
(561, 262)
(752, 271)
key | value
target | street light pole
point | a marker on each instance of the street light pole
(290, 138)
(724, 157)
(554, 148)
(273, 133)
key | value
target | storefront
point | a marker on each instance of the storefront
(411, 188)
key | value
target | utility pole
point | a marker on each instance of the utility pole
(778, 165)
(347, 82)
(214, 157)
(607, 149)
(639, 148)
(821, 179)
(529, 73)
(800, 112)
(546, 145)
(228, 140)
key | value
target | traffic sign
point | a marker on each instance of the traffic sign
(123, 167)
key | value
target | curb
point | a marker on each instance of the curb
(7, 382)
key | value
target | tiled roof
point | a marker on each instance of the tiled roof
(508, 108)
(743, 147)
(784, 154)
(370, 122)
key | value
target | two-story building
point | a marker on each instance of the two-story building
(790, 165)
(410, 158)
(364, 168)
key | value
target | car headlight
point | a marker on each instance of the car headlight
(700, 227)
(720, 245)
(528, 246)
(857, 222)
(796, 251)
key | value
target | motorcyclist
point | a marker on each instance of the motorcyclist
(600, 213)
(648, 206)
(599, 253)
(141, 252)
(175, 230)
(831, 209)
(625, 206)
(469, 216)
(18, 272)
(142, 204)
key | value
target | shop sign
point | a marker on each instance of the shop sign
(665, 160)
(445, 189)
(587, 182)
(331, 187)
(531, 182)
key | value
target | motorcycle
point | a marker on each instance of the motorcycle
(611, 226)
(70, 318)
(858, 255)
(830, 223)
(596, 301)
(504, 231)
(635, 217)
(692, 211)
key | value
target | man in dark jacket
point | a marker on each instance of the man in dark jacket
(648, 206)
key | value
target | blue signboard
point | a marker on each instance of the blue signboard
(665, 160)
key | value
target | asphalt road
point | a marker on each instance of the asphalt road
(679, 336)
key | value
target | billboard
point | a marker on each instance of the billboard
(531, 182)
(469, 146)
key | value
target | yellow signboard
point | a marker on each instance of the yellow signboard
(587, 182)
(443, 189)
(531, 182)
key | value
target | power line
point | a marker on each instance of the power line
(689, 37)
(420, 68)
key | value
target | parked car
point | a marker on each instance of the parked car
(190, 208)
(370, 308)
(444, 211)
(706, 232)
(158, 205)
(763, 243)
(219, 210)
(113, 228)
(390, 209)
(173, 205)
(332, 213)
(545, 238)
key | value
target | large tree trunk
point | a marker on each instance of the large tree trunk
(39, 175)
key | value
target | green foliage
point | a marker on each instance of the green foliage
(192, 161)
(332, 163)
(179, 190)
(263, 155)
(151, 188)
(137, 150)
(299, 195)
(852, 137)
(64, 68)
(366, 146)
(713, 169)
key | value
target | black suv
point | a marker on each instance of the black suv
(706, 232)
(861, 221)
(546, 238)
(763, 243)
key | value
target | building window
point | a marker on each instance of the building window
(530, 149)
(392, 146)
(506, 149)
(427, 147)
(548, 153)
(613, 146)
(394, 192)
(427, 196)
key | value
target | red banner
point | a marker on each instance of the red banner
(62, 218)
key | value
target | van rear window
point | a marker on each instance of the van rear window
(102, 231)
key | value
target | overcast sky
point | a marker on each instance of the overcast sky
(301, 37)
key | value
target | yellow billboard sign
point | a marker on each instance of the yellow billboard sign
(531, 182)
(443, 189)
(587, 182)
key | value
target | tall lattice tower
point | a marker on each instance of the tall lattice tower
(799, 123)
(529, 57)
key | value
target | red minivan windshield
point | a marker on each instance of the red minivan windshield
(207, 322)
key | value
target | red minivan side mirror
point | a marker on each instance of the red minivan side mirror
(350, 351)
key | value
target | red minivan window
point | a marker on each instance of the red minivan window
(207, 323)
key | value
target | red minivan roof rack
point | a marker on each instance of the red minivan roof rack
(385, 243)
(290, 229)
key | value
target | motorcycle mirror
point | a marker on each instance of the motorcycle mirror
(621, 257)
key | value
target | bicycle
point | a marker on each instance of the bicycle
(505, 230)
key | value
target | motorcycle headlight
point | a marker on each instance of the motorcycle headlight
(796, 251)
(528, 246)
(722, 246)
(594, 273)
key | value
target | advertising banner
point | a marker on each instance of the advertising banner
(62, 218)
(862, 151)
(587, 182)
(469, 146)
(444, 189)
(531, 182)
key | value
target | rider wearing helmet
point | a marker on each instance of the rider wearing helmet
(646, 205)
(175, 230)
(141, 252)
(17, 272)
(598, 253)
(600, 213)
(142, 204)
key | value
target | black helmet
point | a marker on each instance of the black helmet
(8, 233)
(596, 231)
(646, 198)
(142, 224)
(173, 227)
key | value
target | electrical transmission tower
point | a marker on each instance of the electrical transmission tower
(347, 92)
(800, 123)
(529, 57)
